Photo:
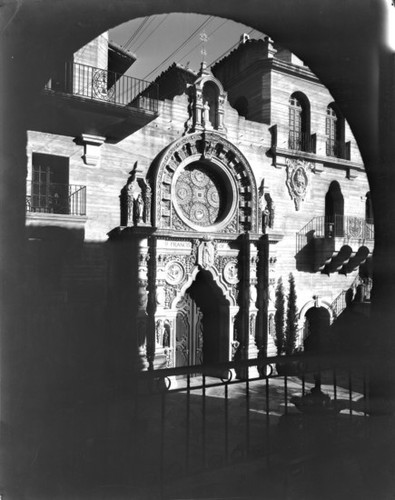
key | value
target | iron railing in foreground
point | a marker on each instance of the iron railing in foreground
(105, 86)
(194, 420)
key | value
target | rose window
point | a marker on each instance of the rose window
(200, 195)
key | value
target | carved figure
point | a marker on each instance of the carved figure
(166, 336)
(138, 209)
(206, 114)
(159, 332)
(269, 211)
(127, 199)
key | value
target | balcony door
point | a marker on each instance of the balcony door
(334, 211)
(50, 184)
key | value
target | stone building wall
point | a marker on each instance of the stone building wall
(84, 269)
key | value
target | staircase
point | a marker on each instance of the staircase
(358, 292)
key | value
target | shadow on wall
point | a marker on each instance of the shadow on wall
(74, 373)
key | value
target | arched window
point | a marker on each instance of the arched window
(334, 211)
(210, 99)
(299, 123)
(334, 129)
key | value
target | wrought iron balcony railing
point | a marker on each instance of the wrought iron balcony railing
(336, 226)
(105, 86)
(338, 149)
(67, 199)
(302, 142)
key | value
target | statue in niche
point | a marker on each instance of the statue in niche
(270, 210)
(138, 210)
(206, 115)
(135, 200)
(267, 212)
(166, 335)
(127, 199)
(159, 332)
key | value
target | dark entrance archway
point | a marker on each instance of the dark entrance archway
(317, 322)
(202, 324)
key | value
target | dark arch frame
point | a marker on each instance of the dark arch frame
(358, 71)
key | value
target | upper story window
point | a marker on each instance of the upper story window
(334, 129)
(299, 123)
(49, 190)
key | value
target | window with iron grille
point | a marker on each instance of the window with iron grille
(295, 123)
(334, 129)
(331, 131)
(50, 184)
(299, 123)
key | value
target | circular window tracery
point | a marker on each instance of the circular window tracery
(201, 195)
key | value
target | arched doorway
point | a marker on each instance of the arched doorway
(202, 324)
(317, 322)
(334, 211)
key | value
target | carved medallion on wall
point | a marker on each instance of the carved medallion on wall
(298, 180)
(175, 272)
(354, 227)
(230, 272)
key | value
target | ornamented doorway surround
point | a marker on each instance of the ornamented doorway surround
(205, 211)
(204, 221)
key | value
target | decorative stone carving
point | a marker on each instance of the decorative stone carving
(175, 273)
(207, 102)
(230, 272)
(170, 295)
(169, 357)
(160, 296)
(297, 180)
(267, 212)
(206, 254)
(201, 206)
(159, 331)
(138, 209)
(355, 227)
(199, 193)
(147, 202)
(135, 201)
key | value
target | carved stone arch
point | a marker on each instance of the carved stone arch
(218, 159)
(191, 278)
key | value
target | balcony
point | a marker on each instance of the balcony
(55, 204)
(338, 149)
(335, 243)
(302, 142)
(81, 99)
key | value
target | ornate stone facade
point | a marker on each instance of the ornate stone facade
(298, 180)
